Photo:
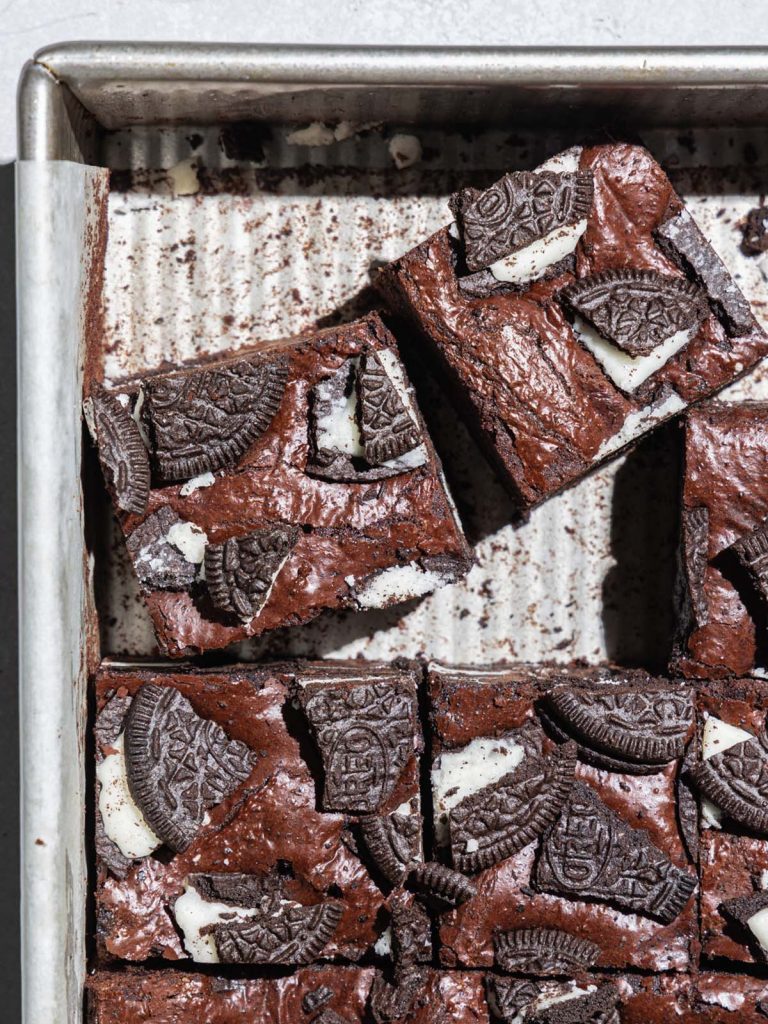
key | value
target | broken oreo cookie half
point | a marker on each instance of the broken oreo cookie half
(123, 454)
(240, 572)
(543, 951)
(736, 780)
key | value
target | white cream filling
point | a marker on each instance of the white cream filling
(196, 483)
(628, 372)
(137, 407)
(566, 162)
(398, 583)
(458, 773)
(531, 262)
(717, 736)
(314, 134)
(193, 913)
(546, 1000)
(383, 944)
(123, 822)
(758, 925)
(183, 177)
(640, 422)
(190, 540)
(405, 150)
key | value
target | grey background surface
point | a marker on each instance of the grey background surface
(26, 25)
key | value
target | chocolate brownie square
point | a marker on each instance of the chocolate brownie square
(320, 995)
(574, 307)
(722, 621)
(730, 779)
(258, 492)
(555, 795)
(216, 838)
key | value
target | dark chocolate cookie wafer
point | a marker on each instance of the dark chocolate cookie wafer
(387, 428)
(240, 572)
(543, 951)
(637, 310)
(687, 803)
(394, 843)
(278, 934)
(203, 421)
(123, 454)
(505, 816)
(646, 726)
(508, 998)
(178, 764)
(737, 781)
(316, 998)
(441, 883)
(594, 757)
(392, 1001)
(411, 930)
(600, 1007)
(590, 852)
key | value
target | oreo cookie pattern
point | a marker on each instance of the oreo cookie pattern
(543, 951)
(391, 1002)
(206, 420)
(737, 781)
(443, 884)
(279, 934)
(637, 310)
(648, 726)
(123, 454)
(518, 209)
(752, 554)
(240, 572)
(366, 736)
(178, 764)
(502, 818)
(394, 843)
(387, 428)
(590, 852)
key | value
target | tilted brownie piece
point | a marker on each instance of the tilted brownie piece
(574, 307)
(210, 839)
(259, 491)
(730, 779)
(723, 610)
(580, 864)
(171, 997)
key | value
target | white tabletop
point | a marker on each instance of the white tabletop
(27, 25)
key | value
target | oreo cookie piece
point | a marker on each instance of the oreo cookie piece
(366, 735)
(394, 843)
(751, 551)
(387, 428)
(157, 562)
(637, 310)
(694, 525)
(518, 209)
(687, 804)
(316, 999)
(203, 420)
(411, 930)
(123, 454)
(508, 998)
(106, 729)
(178, 764)
(755, 231)
(392, 1001)
(280, 933)
(737, 781)
(594, 757)
(591, 853)
(751, 913)
(647, 727)
(442, 884)
(682, 238)
(503, 817)
(543, 951)
(240, 572)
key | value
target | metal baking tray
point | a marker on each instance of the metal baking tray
(590, 576)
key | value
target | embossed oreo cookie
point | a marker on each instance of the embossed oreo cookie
(543, 951)
(387, 428)
(646, 726)
(280, 933)
(508, 998)
(694, 523)
(411, 930)
(751, 551)
(240, 572)
(637, 310)
(123, 454)
(203, 420)
(502, 818)
(737, 781)
(393, 842)
(518, 209)
(178, 764)
(366, 735)
(590, 852)
(441, 883)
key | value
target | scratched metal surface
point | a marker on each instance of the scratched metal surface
(263, 248)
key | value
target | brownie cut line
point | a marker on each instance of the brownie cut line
(259, 491)
(574, 308)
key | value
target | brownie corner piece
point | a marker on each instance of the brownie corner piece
(556, 790)
(723, 569)
(564, 338)
(261, 490)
